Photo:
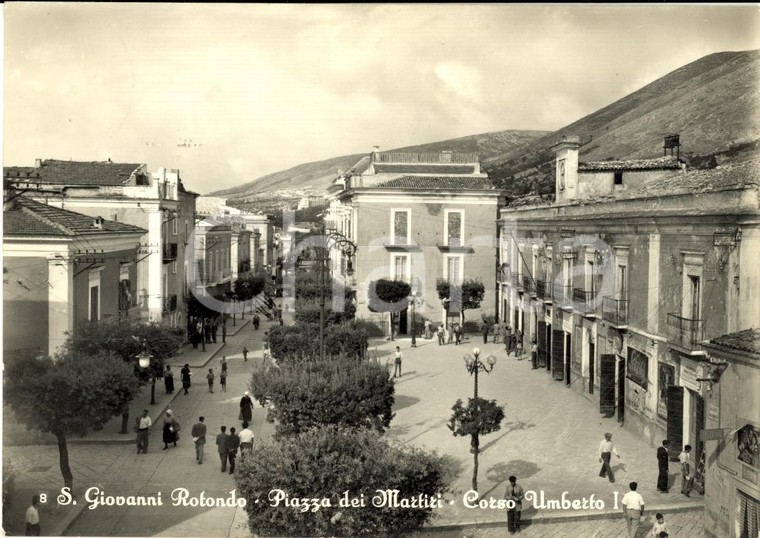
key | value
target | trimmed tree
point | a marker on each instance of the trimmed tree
(126, 339)
(480, 417)
(388, 296)
(71, 395)
(323, 463)
(291, 342)
(465, 296)
(339, 390)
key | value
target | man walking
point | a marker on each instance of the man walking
(256, 321)
(687, 473)
(245, 354)
(233, 442)
(428, 334)
(662, 467)
(246, 439)
(224, 449)
(485, 328)
(142, 426)
(508, 340)
(199, 438)
(441, 335)
(33, 518)
(515, 494)
(534, 355)
(633, 508)
(606, 449)
(496, 332)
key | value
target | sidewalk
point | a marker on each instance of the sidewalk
(549, 439)
(196, 358)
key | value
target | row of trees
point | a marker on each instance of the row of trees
(330, 418)
(92, 379)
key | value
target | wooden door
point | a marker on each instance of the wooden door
(548, 346)
(558, 354)
(591, 366)
(675, 420)
(621, 390)
(607, 384)
(568, 358)
(542, 351)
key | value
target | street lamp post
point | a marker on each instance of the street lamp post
(328, 241)
(414, 296)
(474, 365)
(144, 361)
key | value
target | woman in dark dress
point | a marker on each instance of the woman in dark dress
(246, 408)
(185, 373)
(169, 379)
(171, 429)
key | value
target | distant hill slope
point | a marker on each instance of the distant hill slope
(317, 176)
(712, 103)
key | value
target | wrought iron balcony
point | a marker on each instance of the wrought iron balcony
(170, 303)
(170, 252)
(585, 301)
(516, 281)
(685, 332)
(529, 285)
(566, 299)
(615, 311)
(544, 290)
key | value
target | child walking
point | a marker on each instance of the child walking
(210, 377)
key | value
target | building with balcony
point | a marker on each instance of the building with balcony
(731, 466)
(61, 269)
(417, 217)
(127, 193)
(634, 263)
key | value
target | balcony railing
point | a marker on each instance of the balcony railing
(615, 311)
(685, 332)
(544, 290)
(584, 301)
(170, 303)
(170, 252)
(516, 281)
(529, 285)
(567, 296)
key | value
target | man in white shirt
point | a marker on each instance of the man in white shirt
(246, 439)
(633, 508)
(687, 471)
(33, 518)
(143, 426)
(606, 449)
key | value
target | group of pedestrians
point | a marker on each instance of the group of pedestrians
(204, 331)
(633, 502)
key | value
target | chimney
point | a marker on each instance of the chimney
(38, 163)
(98, 222)
(566, 168)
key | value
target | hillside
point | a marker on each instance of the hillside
(315, 177)
(712, 103)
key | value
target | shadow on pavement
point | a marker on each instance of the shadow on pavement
(404, 401)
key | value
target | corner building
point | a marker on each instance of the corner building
(623, 275)
(417, 217)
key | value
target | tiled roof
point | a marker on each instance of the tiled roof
(74, 172)
(28, 218)
(424, 168)
(438, 182)
(662, 163)
(747, 341)
(727, 176)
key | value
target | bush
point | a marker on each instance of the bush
(338, 390)
(373, 330)
(308, 311)
(302, 340)
(322, 463)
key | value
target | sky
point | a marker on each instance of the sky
(228, 93)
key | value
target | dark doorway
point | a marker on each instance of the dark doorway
(675, 420)
(568, 357)
(591, 366)
(402, 322)
(558, 354)
(621, 390)
(542, 351)
(607, 385)
(549, 346)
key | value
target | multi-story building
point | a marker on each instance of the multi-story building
(730, 467)
(62, 268)
(418, 217)
(621, 277)
(128, 193)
